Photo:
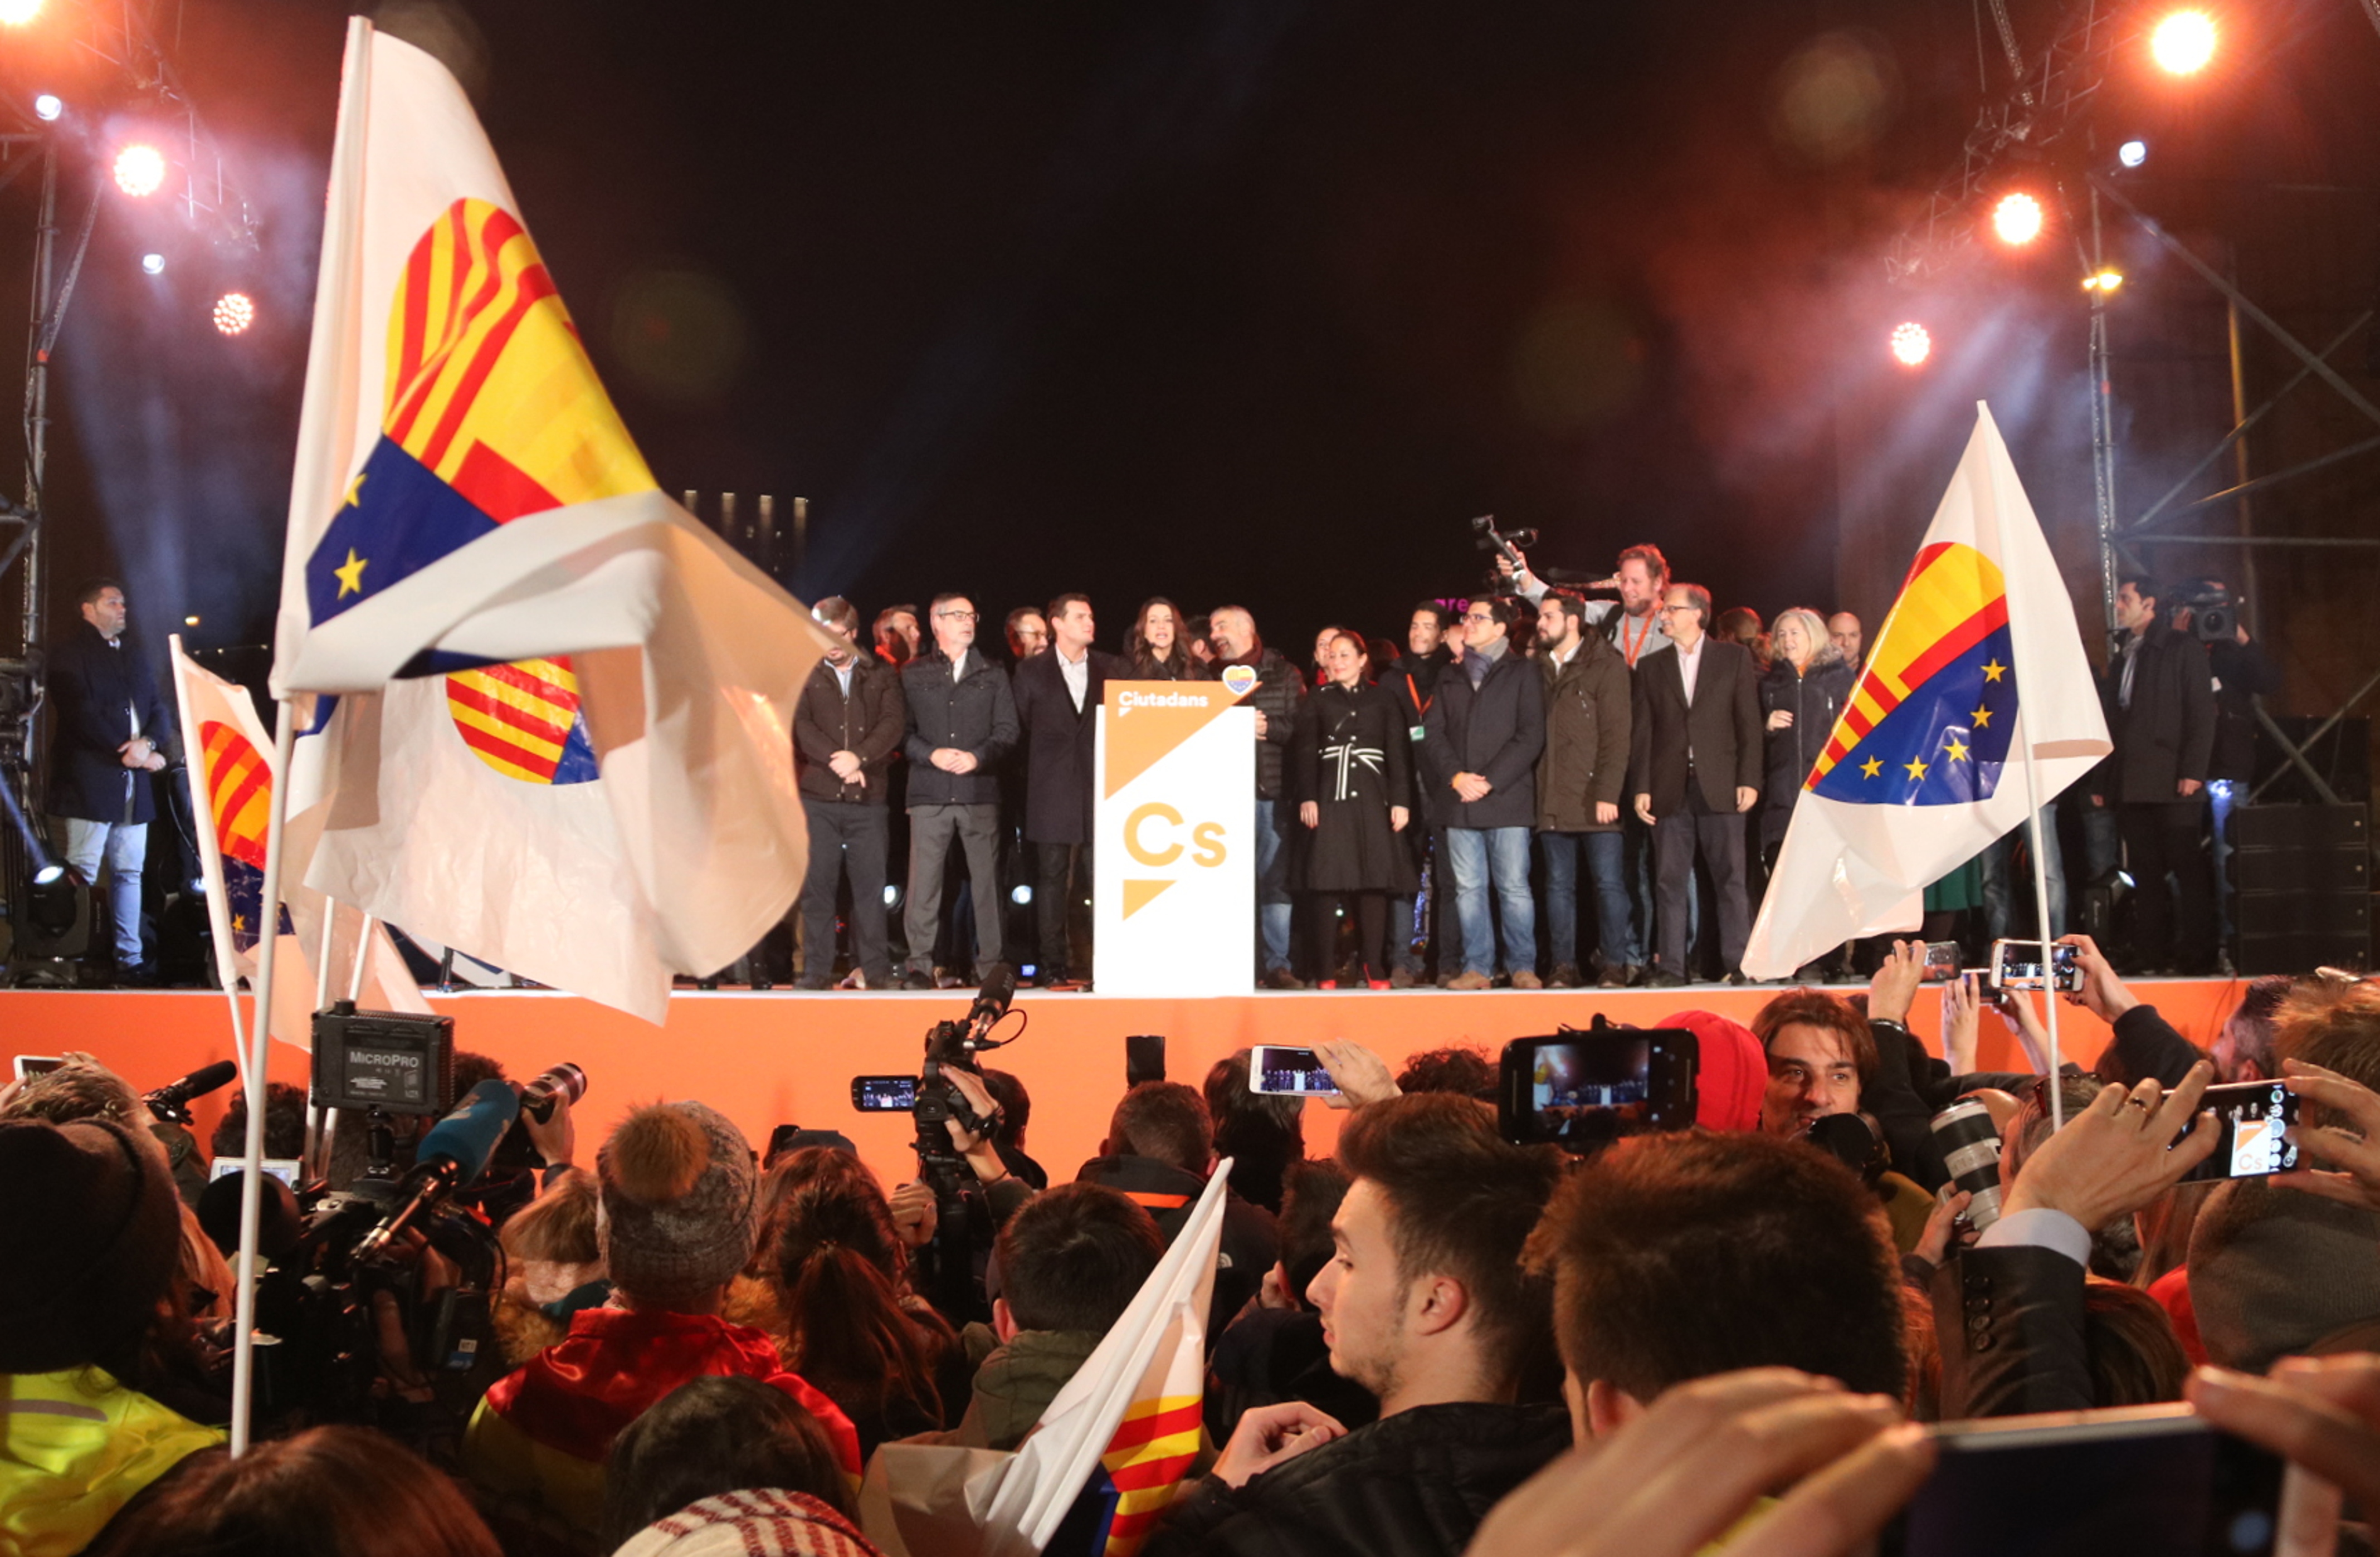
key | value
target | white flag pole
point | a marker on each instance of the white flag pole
(363, 950)
(251, 1195)
(202, 804)
(322, 956)
(2027, 692)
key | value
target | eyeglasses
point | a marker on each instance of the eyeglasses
(1478, 615)
(955, 617)
(1665, 610)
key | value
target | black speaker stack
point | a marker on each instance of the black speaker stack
(2303, 880)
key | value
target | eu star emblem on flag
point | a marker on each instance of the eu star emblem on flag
(1928, 723)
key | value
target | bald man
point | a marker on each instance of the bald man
(1844, 629)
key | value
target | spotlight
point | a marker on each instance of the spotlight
(2103, 281)
(47, 875)
(140, 170)
(1020, 894)
(2017, 219)
(892, 895)
(17, 13)
(2183, 43)
(2131, 153)
(48, 107)
(1911, 345)
(153, 264)
(190, 621)
(233, 313)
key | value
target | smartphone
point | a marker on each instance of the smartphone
(1943, 959)
(2016, 965)
(1283, 1072)
(1144, 1058)
(285, 1169)
(883, 1094)
(38, 1065)
(2259, 1125)
(2147, 1480)
(1582, 1090)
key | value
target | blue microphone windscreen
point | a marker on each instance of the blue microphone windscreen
(467, 1137)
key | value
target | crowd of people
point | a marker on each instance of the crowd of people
(1540, 787)
(1432, 1341)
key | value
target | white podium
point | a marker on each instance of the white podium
(1174, 908)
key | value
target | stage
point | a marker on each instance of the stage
(784, 1056)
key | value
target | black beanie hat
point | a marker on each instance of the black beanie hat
(92, 1230)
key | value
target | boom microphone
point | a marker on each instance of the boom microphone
(454, 1153)
(991, 1002)
(172, 1102)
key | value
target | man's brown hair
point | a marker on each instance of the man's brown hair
(1678, 1255)
(1650, 555)
(1166, 1120)
(1462, 1201)
(1817, 1008)
(2333, 1024)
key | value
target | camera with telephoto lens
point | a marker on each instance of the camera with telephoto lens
(539, 1098)
(1970, 1154)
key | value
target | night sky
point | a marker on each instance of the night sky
(1254, 300)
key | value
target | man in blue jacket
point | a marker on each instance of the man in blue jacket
(113, 731)
(1480, 743)
(962, 723)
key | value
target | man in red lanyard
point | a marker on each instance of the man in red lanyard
(1632, 624)
(1412, 679)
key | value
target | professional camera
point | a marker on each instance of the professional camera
(954, 1270)
(2214, 610)
(1505, 543)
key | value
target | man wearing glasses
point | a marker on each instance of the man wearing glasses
(962, 722)
(1480, 743)
(1694, 770)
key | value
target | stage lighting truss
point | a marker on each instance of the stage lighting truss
(234, 312)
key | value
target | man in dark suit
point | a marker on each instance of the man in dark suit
(1694, 769)
(113, 731)
(1056, 694)
(1480, 743)
(962, 723)
(2160, 700)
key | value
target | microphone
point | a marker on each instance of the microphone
(991, 1002)
(454, 1153)
(172, 1102)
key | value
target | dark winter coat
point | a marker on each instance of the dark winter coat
(1279, 690)
(1350, 751)
(95, 690)
(1815, 698)
(870, 723)
(976, 714)
(2242, 673)
(1413, 1485)
(1251, 1238)
(2168, 734)
(1721, 729)
(1586, 738)
(1058, 744)
(1496, 730)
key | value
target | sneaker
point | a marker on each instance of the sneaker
(1467, 981)
(1616, 977)
(1400, 978)
(1565, 977)
(1662, 978)
(916, 979)
(1527, 979)
(1279, 978)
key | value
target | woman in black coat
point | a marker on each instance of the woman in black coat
(1807, 686)
(1351, 749)
(1157, 647)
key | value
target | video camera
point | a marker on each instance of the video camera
(2214, 610)
(953, 1277)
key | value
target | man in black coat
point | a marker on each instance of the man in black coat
(1694, 770)
(847, 725)
(962, 724)
(1280, 688)
(1412, 679)
(1057, 696)
(1480, 744)
(113, 731)
(2160, 702)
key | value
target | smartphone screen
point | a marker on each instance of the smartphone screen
(2259, 1121)
(883, 1094)
(38, 1065)
(283, 1168)
(1279, 1071)
(2149, 1481)
(1943, 959)
(2017, 965)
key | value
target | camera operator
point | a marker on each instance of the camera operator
(2241, 673)
(917, 1206)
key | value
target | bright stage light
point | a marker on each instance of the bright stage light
(2017, 219)
(1911, 345)
(154, 265)
(2103, 281)
(233, 313)
(140, 171)
(17, 13)
(2131, 153)
(2183, 43)
(48, 107)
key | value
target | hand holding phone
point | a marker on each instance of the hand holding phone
(1277, 1071)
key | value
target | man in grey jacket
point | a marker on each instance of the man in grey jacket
(962, 722)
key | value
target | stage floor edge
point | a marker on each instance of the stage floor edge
(783, 1056)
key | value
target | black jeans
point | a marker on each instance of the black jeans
(846, 837)
(1062, 878)
(2161, 838)
(1719, 837)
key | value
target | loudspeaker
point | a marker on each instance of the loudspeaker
(2343, 758)
(2303, 880)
